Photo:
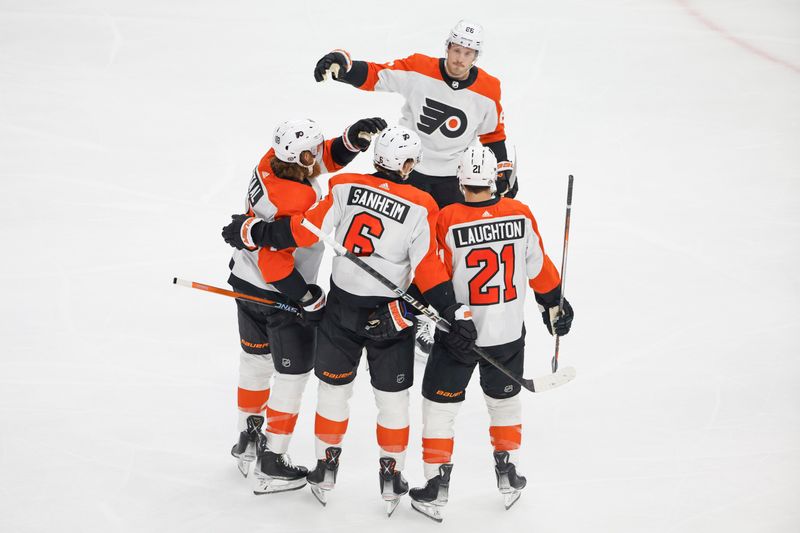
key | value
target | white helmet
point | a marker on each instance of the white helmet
(293, 137)
(467, 34)
(394, 146)
(477, 167)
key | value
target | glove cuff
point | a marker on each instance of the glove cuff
(246, 232)
(314, 300)
(346, 141)
(502, 166)
(348, 63)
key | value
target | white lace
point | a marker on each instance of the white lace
(426, 329)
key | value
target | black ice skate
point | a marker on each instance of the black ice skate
(430, 499)
(423, 341)
(323, 478)
(393, 484)
(508, 481)
(274, 472)
(245, 449)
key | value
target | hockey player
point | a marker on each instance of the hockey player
(492, 248)
(283, 184)
(390, 225)
(449, 102)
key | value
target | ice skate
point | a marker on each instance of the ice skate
(245, 450)
(392, 484)
(323, 477)
(509, 482)
(274, 472)
(423, 341)
(430, 499)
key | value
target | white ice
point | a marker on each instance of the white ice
(128, 131)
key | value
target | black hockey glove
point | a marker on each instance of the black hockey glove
(313, 304)
(504, 172)
(331, 63)
(555, 322)
(239, 233)
(389, 321)
(358, 136)
(460, 340)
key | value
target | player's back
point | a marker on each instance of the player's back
(492, 249)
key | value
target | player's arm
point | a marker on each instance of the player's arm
(546, 283)
(492, 134)
(367, 75)
(339, 152)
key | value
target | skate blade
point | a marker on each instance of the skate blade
(246, 458)
(270, 485)
(430, 510)
(244, 466)
(511, 498)
(391, 505)
(319, 494)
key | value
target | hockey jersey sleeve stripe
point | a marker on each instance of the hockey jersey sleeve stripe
(392, 440)
(506, 438)
(437, 450)
(329, 431)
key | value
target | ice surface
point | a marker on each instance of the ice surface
(128, 131)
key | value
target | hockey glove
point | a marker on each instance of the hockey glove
(555, 322)
(239, 233)
(460, 340)
(389, 321)
(332, 63)
(358, 136)
(313, 304)
(504, 172)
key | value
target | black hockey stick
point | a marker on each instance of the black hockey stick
(538, 384)
(554, 361)
(238, 295)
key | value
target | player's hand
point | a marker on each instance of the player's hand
(460, 340)
(239, 233)
(313, 304)
(504, 172)
(389, 321)
(560, 323)
(331, 63)
(357, 137)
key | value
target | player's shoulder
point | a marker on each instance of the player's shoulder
(486, 85)
(419, 63)
(513, 206)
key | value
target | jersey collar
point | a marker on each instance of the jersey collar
(485, 203)
(455, 84)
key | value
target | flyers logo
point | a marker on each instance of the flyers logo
(451, 121)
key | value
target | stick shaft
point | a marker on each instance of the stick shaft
(554, 362)
(237, 295)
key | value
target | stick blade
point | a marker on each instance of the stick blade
(551, 381)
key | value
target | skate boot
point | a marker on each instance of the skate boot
(323, 478)
(430, 499)
(393, 484)
(508, 481)
(274, 472)
(245, 450)
(423, 342)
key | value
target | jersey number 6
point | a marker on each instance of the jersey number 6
(489, 261)
(362, 230)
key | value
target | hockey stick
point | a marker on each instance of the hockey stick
(538, 384)
(554, 362)
(238, 295)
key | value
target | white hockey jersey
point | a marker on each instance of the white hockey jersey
(493, 251)
(448, 114)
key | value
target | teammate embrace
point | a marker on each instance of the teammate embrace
(470, 262)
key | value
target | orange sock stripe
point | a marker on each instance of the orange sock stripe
(252, 401)
(392, 440)
(280, 423)
(329, 431)
(437, 450)
(505, 438)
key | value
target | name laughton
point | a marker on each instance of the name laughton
(379, 203)
(504, 230)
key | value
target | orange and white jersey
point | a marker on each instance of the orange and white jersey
(493, 251)
(270, 197)
(390, 225)
(448, 114)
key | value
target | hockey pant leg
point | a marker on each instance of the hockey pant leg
(392, 425)
(505, 430)
(333, 413)
(438, 431)
(282, 409)
(255, 373)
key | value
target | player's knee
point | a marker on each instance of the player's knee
(392, 408)
(287, 392)
(504, 411)
(439, 418)
(255, 371)
(333, 400)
